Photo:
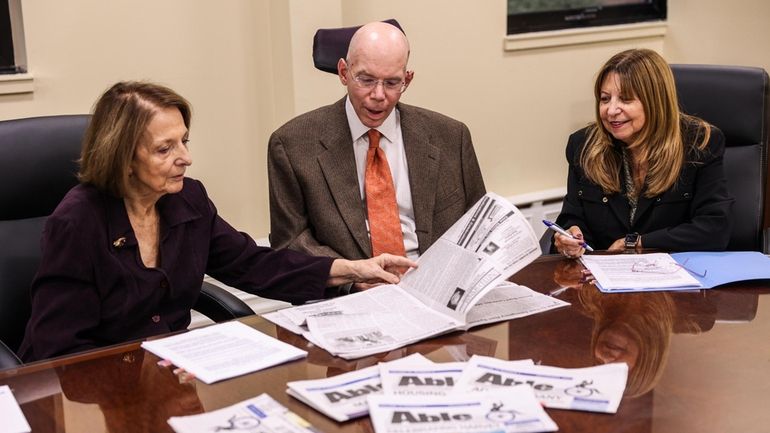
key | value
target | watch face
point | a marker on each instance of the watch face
(632, 239)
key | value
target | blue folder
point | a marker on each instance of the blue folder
(725, 267)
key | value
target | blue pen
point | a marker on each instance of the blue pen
(561, 231)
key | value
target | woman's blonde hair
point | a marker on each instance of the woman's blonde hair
(645, 75)
(119, 122)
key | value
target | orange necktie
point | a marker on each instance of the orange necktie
(384, 221)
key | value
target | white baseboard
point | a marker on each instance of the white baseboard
(538, 206)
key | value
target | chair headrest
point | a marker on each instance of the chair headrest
(38, 163)
(330, 45)
(733, 98)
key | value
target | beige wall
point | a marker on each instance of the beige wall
(245, 65)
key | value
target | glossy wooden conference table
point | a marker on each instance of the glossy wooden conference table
(700, 362)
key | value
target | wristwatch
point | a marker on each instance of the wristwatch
(633, 242)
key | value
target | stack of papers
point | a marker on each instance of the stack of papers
(260, 414)
(223, 351)
(460, 283)
(635, 272)
(416, 394)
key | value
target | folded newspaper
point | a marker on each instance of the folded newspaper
(260, 414)
(593, 389)
(343, 397)
(421, 379)
(460, 283)
(511, 410)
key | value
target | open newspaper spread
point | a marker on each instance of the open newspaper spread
(460, 282)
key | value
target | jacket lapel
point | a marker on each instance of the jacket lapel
(619, 205)
(423, 160)
(338, 165)
(642, 206)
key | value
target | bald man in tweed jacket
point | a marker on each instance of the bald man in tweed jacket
(315, 201)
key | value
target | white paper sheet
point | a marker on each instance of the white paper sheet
(12, 419)
(619, 272)
(223, 351)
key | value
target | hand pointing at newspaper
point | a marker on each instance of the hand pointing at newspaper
(385, 268)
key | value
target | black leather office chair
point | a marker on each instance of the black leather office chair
(735, 99)
(331, 45)
(37, 168)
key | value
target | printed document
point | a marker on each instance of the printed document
(511, 410)
(261, 414)
(12, 417)
(343, 397)
(634, 272)
(223, 351)
(460, 283)
(592, 389)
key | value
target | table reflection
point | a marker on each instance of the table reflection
(133, 393)
(636, 328)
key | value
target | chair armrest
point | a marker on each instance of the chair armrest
(8, 359)
(546, 241)
(220, 305)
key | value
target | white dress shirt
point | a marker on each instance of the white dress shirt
(392, 143)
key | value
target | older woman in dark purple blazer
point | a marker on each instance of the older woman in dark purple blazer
(125, 251)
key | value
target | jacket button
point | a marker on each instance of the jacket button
(604, 200)
(163, 284)
(686, 195)
(156, 318)
(580, 193)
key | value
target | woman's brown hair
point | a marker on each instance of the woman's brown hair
(645, 75)
(119, 122)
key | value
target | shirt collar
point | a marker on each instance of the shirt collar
(358, 129)
(174, 209)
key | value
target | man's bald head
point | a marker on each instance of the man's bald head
(374, 71)
(378, 39)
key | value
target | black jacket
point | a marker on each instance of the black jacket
(693, 215)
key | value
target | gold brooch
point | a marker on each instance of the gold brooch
(119, 242)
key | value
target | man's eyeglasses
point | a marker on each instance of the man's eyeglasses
(393, 85)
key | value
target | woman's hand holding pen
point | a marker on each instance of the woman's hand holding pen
(571, 248)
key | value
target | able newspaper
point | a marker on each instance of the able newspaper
(459, 283)
(260, 414)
